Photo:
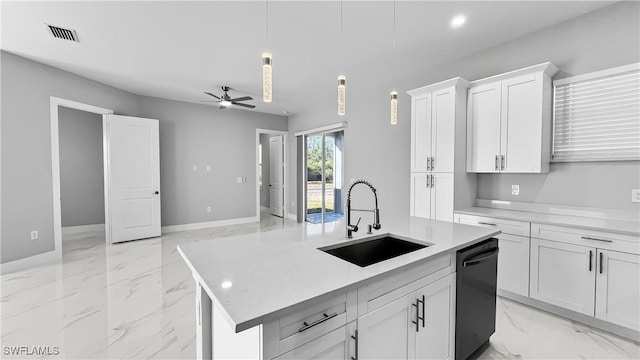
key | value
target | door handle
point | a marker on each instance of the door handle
(157, 192)
(501, 162)
(600, 262)
(424, 314)
(355, 337)
(590, 260)
(496, 162)
(418, 318)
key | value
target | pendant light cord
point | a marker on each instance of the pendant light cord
(341, 39)
(267, 21)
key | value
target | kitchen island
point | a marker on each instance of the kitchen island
(276, 295)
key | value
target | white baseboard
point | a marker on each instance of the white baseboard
(292, 216)
(30, 262)
(71, 230)
(209, 224)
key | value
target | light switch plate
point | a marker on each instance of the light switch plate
(515, 189)
(34, 235)
(635, 195)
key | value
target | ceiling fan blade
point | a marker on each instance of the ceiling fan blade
(244, 98)
(210, 94)
(243, 105)
(208, 101)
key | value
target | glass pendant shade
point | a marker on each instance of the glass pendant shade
(266, 78)
(341, 94)
(394, 107)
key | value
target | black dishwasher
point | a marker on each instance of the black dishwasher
(476, 268)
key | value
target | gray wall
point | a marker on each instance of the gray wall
(201, 135)
(190, 134)
(379, 152)
(27, 202)
(81, 167)
(265, 194)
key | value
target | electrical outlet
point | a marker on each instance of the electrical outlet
(515, 189)
(239, 180)
(195, 167)
(208, 168)
(208, 209)
(635, 195)
(34, 235)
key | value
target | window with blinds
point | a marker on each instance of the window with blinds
(597, 116)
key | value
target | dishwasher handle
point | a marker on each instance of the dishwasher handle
(479, 258)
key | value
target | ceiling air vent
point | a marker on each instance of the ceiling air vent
(62, 33)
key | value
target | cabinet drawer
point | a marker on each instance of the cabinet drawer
(583, 237)
(314, 320)
(512, 227)
(392, 287)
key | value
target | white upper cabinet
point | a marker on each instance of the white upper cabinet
(434, 109)
(509, 121)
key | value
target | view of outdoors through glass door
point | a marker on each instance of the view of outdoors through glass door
(324, 165)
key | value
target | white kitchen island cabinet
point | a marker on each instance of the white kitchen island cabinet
(509, 121)
(275, 295)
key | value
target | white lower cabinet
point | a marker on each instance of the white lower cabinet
(618, 288)
(338, 344)
(420, 325)
(563, 275)
(513, 264)
(593, 281)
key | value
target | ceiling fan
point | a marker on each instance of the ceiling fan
(226, 100)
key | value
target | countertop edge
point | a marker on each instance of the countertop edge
(523, 217)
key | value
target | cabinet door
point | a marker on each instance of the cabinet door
(617, 288)
(420, 132)
(420, 198)
(435, 338)
(483, 128)
(442, 196)
(521, 138)
(443, 126)
(563, 275)
(513, 264)
(333, 345)
(387, 332)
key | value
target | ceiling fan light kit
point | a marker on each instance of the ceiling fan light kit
(267, 83)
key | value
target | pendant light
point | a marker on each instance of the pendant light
(394, 94)
(341, 94)
(267, 83)
(342, 80)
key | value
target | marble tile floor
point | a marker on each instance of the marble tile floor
(136, 300)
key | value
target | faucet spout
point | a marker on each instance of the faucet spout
(376, 212)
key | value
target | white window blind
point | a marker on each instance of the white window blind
(597, 116)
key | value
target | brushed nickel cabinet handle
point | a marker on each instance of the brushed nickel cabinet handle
(433, 163)
(428, 178)
(496, 162)
(590, 260)
(596, 239)
(317, 322)
(428, 163)
(600, 262)
(355, 337)
(486, 223)
(433, 181)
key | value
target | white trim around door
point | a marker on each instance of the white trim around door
(55, 103)
(285, 181)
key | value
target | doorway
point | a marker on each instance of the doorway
(271, 173)
(324, 176)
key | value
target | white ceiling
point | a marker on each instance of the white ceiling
(177, 50)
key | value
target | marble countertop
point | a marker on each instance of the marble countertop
(582, 222)
(266, 273)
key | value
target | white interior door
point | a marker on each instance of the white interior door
(276, 192)
(132, 178)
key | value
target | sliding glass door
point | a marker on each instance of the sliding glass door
(324, 177)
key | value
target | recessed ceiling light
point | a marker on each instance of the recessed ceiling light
(458, 21)
(226, 284)
(286, 112)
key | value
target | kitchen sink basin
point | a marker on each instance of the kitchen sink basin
(368, 252)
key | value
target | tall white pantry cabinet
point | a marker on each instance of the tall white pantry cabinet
(438, 140)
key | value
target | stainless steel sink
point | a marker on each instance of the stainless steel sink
(371, 251)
